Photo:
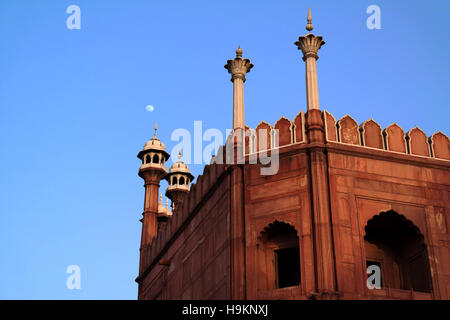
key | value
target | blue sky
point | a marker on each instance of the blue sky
(73, 117)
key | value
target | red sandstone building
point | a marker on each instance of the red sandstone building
(345, 196)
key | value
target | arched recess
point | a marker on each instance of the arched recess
(278, 257)
(397, 246)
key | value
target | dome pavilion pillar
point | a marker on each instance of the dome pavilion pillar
(152, 170)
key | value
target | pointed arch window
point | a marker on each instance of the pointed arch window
(279, 254)
(397, 246)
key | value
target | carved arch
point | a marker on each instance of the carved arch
(398, 247)
(278, 256)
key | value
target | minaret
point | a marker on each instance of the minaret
(238, 68)
(310, 45)
(152, 170)
(318, 168)
(179, 179)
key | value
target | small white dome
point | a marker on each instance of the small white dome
(179, 166)
(154, 144)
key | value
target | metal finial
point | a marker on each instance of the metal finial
(239, 52)
(309, 26)
(179, 154)
(156, 129)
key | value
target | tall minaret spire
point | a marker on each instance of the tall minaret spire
(325, 284)
(310, 45)
(152, 170)
(238, 69)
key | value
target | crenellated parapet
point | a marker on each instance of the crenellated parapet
(284, 132)
(393, 138)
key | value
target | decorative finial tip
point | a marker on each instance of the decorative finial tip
(239, 52)
(179, 154)
(309, 26)
(156, 128)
